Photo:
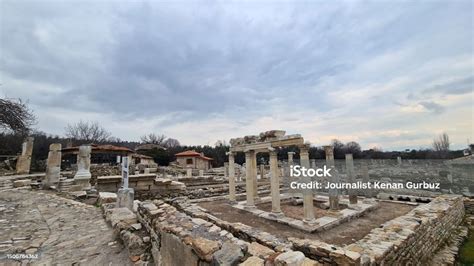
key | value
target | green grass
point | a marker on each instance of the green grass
(466, 256)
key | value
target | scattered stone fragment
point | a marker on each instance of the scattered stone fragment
(204, 247)
(107, 197)
(252, 261)
(229, 254)
(22, 183)
(258, 250)
(290, 258)
(136, 226)
(123, 215)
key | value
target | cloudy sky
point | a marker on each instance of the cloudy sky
(392, 74)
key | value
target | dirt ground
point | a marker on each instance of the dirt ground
(293, 211)
(342, 234)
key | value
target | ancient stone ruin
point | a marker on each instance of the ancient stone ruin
(24, 160)
(235, 214)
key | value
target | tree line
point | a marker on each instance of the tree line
(16, 121)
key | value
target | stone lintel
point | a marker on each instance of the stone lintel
(296, 141)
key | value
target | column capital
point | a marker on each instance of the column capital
(230, 153)
(304, 150)
(328, 149)
(304, 147)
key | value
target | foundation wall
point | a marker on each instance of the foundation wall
(469, 205)
(145, 185)
(413, 238)
(178, 238)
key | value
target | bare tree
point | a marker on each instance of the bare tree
(16, 116)
(153, 138)
(337, 144)
(171, 143)
(441, 144)
(87, 131)
(352, 147)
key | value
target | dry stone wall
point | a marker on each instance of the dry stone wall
(182, 233)
(180, 239)
(403, 240)
(469, 205)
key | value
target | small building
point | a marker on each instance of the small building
(194, 160)
(143, 159)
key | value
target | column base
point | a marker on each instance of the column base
(249, 206)
(310, 221)
(277, 214)
(83, 183)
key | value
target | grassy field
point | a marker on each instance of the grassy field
(466, 256)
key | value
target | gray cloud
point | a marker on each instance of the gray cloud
(433, 107)
(458, 86)
(171, 63)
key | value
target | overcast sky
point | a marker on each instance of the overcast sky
(386, 73)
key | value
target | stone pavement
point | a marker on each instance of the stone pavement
(49, 229)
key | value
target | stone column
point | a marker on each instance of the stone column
(351, 178)
(312, 163)
(201, 172)
(189, 172)
(289, 163)
(308, 206)
(231, 177)
(125, 195)
(83, 174)
(262, 171)
(365, 177)
(275, 182)
(53, 166)
(24, 160)
(249, 155)
(333, 193)
(365, 172)
(226, 169)
(254, 175)
(399, 160)
(290, 157)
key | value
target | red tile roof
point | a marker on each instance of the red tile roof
(99, 148)
(192, 154)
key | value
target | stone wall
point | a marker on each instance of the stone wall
(413, 238)
(469, 205)
(145, 186)
(180, 239)
(183, 233)
(315, 252)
